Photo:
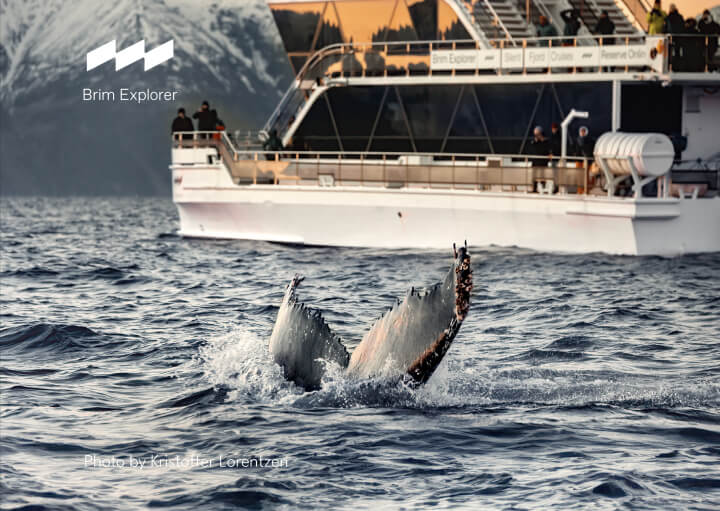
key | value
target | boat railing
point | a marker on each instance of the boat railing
(393, 169)
(465, 9)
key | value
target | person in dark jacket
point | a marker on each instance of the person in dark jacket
(182, 123)
(539, 146)
(710, 29)
(571, 17)
(694, 47)
(585, 144)
(605, 26)
(675, 26)
(555, 140)
(273, 143)
(207, 119)
(674, 22)
(545, 29)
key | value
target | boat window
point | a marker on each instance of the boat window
(329, 31)
(449, 26)
(306, 27)
(424, 16)
(430, 118)
(651, 108)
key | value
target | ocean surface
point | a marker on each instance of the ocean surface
(136, 374)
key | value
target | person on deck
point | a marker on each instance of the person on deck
(674, 25)
(585, 144)
(571, 17)
(693, 47)
(182, 123)
(656, 19)
(545, 29)
(674, 22)
(555, 140)
(207, 119)
(710, 29)
(539, 146)
(273, 143)
(605, 26)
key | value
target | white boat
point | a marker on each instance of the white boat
(378, 138)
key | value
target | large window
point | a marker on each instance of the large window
(306, 27)
(447, 118)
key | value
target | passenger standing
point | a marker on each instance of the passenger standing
(585, 145)
(555, 140)
(656, 19)
(694, 46)
(182, 123)
(539, 146)
(207, 119)
(571, 17)
(710, 29)
(273, 143)
(674, 22)
(545, 29)
(605, 26)
(675, 26)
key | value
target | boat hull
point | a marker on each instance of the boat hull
(433, 218)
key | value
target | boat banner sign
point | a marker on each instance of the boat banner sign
(648, 54)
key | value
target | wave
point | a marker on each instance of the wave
(240, 362)
(33, 272)
(46, 337)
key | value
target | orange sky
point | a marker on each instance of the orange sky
(690, 7)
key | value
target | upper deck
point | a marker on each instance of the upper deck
(451, 65)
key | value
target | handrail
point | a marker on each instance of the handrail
(286, 154)
(639, 10)
(622, 37)
(508, 37)
(444, 169)
(470, 19)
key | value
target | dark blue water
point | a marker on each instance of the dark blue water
(576, 382)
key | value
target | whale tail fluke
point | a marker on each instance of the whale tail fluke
(412, 338)
(408, 341)
(302, 342)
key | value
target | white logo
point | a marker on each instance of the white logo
(124, 58)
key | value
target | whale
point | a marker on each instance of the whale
(408, 341)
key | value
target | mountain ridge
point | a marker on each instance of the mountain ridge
(53, 142)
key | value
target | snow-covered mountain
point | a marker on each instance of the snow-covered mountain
(226, 51)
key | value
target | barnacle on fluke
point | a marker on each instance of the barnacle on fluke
(410, 340)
